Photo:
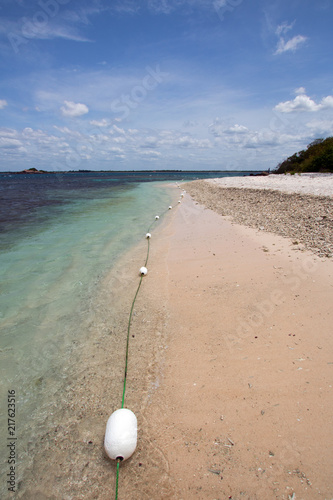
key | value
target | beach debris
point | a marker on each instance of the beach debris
(143, 271)
(157, 217)
(213, 471)
(170, 207)
(231, 442)
(148, 235)
(121, 434)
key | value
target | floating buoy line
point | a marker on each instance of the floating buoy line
(121, 429)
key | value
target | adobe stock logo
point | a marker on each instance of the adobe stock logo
(36, 25)
(123, 106)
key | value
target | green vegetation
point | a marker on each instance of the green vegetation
(318, 157)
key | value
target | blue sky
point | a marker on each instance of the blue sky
(163, 84)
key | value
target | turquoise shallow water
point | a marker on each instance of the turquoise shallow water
(60, 237)
(49, 277)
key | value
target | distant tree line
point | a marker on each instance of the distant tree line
(317, 157)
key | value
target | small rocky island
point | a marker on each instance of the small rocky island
(33, 171)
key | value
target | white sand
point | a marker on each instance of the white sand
(315, 184)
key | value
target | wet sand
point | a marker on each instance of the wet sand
(230, 372)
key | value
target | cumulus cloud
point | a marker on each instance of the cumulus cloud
(8, 132)
(116, 150)
(100, 123)
(119, 130)
(304, 103)
(3, 103)
(300, 90)
(73, 109)
(320, 127)
(219, 129)
(327, 102)
(8, 143)
(236, 129)
(262, 138)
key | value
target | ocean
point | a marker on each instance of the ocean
(61, 234)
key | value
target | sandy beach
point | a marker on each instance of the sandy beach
(245, 406)
(230, 370)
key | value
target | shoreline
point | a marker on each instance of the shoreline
(195, 381)
(68, 459)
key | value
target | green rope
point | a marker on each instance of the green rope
(117, 478)
(127, 341)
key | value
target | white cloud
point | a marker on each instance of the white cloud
(73, 109)
(303, 103)
(263, 138)
(47, 25)
(120, 131)
(327, 102)
(49, 31)
(116, 150)
(100, 123)
(8, 143)
(183, 141)
(187, 141)
(150, 154)
(300, 90)
(8, 132)
(321, 128)
(119, 140)
(237, 129)
(290, 45)
(284, 28)
(219, 129)
(150, 142)
(3, 103)
(285, 43)
(68, 132)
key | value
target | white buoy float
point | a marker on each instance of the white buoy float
(148, 235)
(121, 434)
(170, 207)
(156, 217)
(143, 270)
